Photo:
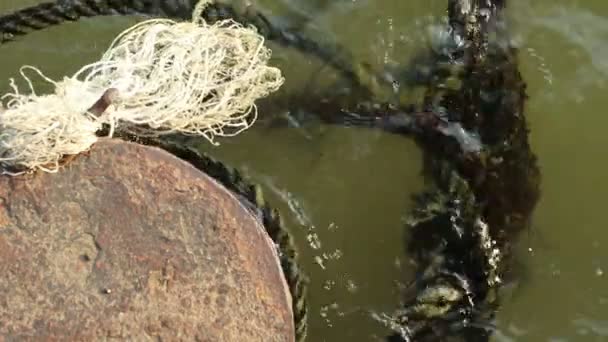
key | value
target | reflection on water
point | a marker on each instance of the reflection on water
(578, 36)
(345, 192)
(584, 29)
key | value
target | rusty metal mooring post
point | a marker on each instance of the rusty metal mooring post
(131, 242)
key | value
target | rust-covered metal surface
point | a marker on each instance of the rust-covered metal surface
(130, 242)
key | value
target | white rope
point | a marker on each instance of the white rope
(189, 77)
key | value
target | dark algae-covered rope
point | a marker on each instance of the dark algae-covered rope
(44, 15)
(463, 228)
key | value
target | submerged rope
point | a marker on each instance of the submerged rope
(463, 228)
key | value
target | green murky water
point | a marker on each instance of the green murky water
(345, 192)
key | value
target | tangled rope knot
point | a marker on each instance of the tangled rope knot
(157, 77)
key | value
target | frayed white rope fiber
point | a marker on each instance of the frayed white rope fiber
(37, 131)
(170, 77)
